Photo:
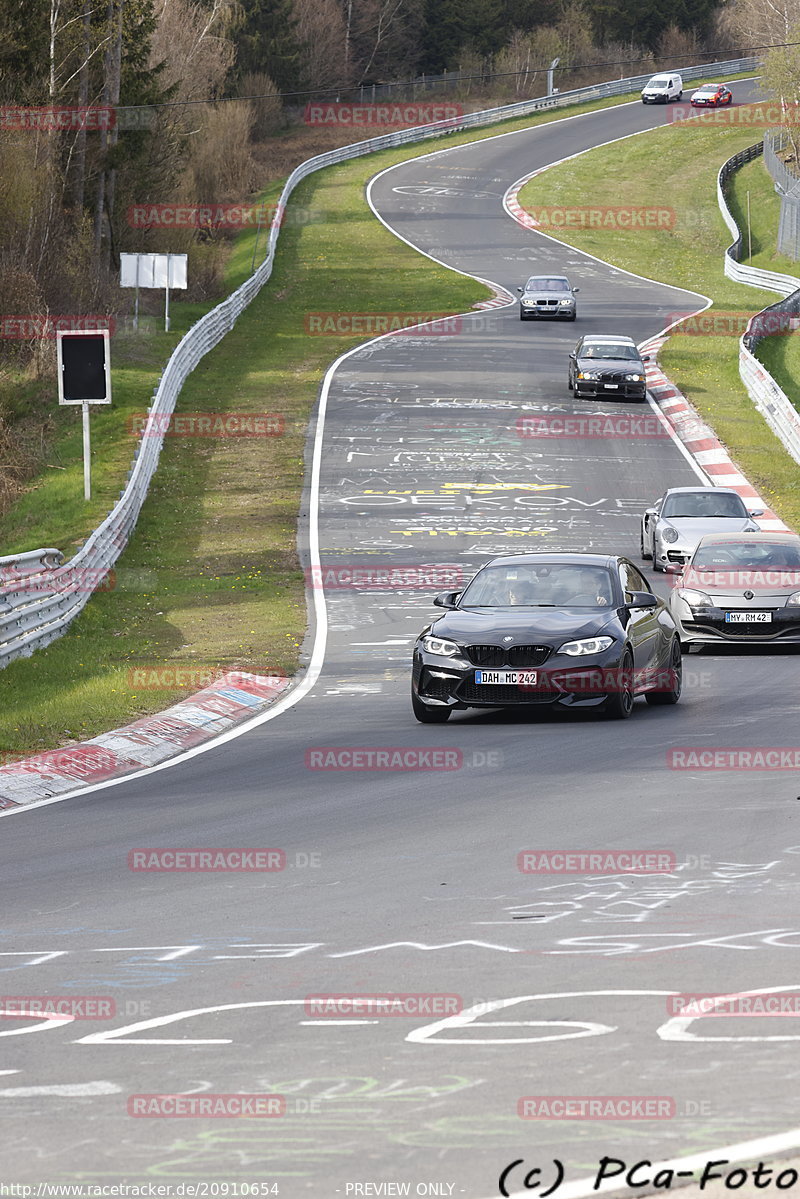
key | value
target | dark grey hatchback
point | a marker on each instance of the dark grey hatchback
(575, 630)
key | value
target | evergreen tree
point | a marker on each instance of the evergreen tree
(266, 41)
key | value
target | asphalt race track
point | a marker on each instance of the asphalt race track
(405, 881)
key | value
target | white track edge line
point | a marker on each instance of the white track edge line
(321, 616)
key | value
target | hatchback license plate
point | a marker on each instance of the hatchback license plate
(505, 678)
(748, 617)
(611, 386)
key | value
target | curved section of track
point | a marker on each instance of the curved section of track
(406, 882)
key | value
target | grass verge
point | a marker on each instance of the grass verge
(690, 255)
(210, 579)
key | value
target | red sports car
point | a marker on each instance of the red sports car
(711, 95)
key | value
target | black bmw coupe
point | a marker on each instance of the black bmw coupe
(576, 630)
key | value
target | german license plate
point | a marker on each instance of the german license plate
(748, 617)
(505, 678)
(611, 386)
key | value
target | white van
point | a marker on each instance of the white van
(662, 88)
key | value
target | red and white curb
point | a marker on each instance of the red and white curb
(701, 442)
(512, 204)
(502, 298)
(228, 700)
(697, 438)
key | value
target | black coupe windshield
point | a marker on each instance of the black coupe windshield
(703, 504)
(543, 586)
(609, 350)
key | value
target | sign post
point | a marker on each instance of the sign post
(84, 377)
(154, 271)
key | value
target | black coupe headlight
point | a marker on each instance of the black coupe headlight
(440, 646)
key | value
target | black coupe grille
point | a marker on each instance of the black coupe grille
(516, 656)
(501, 696)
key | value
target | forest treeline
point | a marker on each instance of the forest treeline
(209, 91)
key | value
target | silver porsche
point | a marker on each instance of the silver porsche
(672, 528)
(739, 588)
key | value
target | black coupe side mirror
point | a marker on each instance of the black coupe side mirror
(446, 599)
(642, 599)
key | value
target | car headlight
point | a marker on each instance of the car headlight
(669, 535)
(567, 302)
(528, 303)
(794, 600)
(589, 645)
(588, 375)
(695, 599)
(634, 378)
(440, 646)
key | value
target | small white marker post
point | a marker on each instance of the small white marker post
(84, 377)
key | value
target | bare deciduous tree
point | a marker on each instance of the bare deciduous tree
(190, 42)
(781, 79)
(759, 22)
(322, 32)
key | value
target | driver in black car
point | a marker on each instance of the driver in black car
(520, 594)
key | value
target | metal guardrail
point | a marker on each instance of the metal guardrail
(773, 404)
(787, 184)
(38, 611)
(734, 269)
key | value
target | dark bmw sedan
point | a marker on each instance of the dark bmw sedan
(574, 630)
(608, 366)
